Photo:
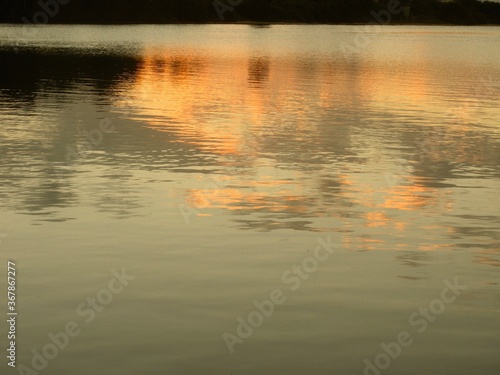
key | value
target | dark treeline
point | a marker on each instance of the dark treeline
(466, 12)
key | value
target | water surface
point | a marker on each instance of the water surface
(228, 151)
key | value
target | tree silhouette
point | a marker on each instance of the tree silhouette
(201, 11)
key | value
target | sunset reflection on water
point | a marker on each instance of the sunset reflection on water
(231, 150)
(365, 141)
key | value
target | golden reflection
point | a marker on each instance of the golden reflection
(410, 197)
(272, 195)
(434, 247)
(376, 219)
(370, 244)
(245, 108)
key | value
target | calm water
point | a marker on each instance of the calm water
(228, 151)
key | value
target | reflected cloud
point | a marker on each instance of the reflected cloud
(298, 142)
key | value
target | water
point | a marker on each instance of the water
(209, 160)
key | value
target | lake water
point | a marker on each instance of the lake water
(209, 161)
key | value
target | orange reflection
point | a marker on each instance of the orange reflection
(376, 219)
(243, 108)
(409, 197)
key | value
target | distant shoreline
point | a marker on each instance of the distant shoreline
(251, 12)
(249, 23)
